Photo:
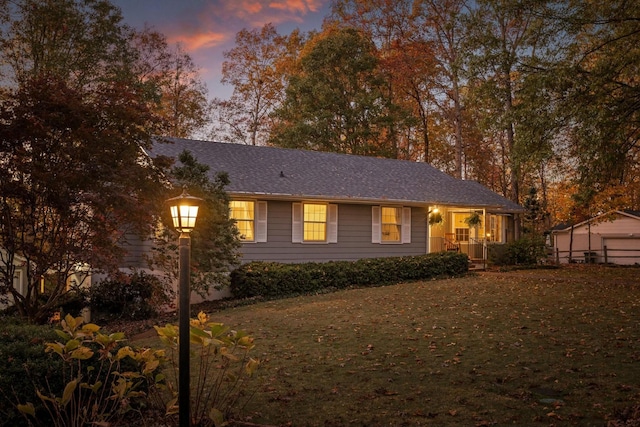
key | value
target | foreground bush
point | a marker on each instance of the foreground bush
(102, 381)
(274, 280)
(524, 251)
(134, 297)
(24, 365)
(94, 379)
(223, 368)
(71, 302)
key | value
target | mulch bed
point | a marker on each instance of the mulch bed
(140, 329)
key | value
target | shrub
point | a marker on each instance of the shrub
(24, 366)
(99, 381)
(223, 366)
(275, 280)
(71, 302)
(525, 251)
(74, 301)
(135, 297)
(98, 387)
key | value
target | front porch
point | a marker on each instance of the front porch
(468, 231)
(475, 249)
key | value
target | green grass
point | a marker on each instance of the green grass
(538, 347)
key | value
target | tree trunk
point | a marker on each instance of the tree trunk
(458, 126)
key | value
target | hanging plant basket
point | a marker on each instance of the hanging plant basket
(435, 218)
(473, 220)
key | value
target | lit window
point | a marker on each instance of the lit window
(494, 234)
(243, 213)
(315, 222)
(462, 234)
(391, 222)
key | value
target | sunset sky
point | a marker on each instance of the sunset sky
(207, 28)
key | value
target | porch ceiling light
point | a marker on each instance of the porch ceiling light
(184, 211)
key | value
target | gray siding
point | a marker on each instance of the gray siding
(136, 251)
(354, 237)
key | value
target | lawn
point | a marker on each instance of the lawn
(536, 347)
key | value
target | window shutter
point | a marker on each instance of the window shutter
(332, 224)
(375, 224)
(261, 221)
(406, 225)
(296, 223)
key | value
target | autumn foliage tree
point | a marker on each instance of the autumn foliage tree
(405, 62)
(337, 100)
(74, 119)
(256, 68)
(598, 80)
(513, 94)
(169, 70)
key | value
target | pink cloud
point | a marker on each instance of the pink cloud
(297, 6)
(200, 40)
(242, 9)
(262, 11)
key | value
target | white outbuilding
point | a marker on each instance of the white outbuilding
(613, 237)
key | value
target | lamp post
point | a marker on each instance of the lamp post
(184, 211)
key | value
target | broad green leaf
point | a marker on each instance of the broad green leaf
(124, 352)
(27, 408)
(90, 327)
(118, 336)
(82, 353)
(217, 329)
(68, 392)
(199, 333)
(62, 334)
(71, 345)
(55, 347)
(103, 340)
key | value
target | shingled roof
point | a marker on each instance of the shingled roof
(288, 173)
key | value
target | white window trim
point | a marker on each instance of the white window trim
(376, 226)
(259, 221)
(18, 282)
(297, 224)
(260, 232)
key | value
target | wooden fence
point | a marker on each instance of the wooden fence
(597, 256)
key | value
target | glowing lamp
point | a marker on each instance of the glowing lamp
(184, 211)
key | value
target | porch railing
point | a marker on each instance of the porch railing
(475, 249)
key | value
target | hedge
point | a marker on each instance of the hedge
(277, 280)
(25, 367)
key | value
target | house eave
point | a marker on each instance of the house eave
(365, 200)
(594, 219)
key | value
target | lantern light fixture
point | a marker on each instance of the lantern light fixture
(184, 211)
